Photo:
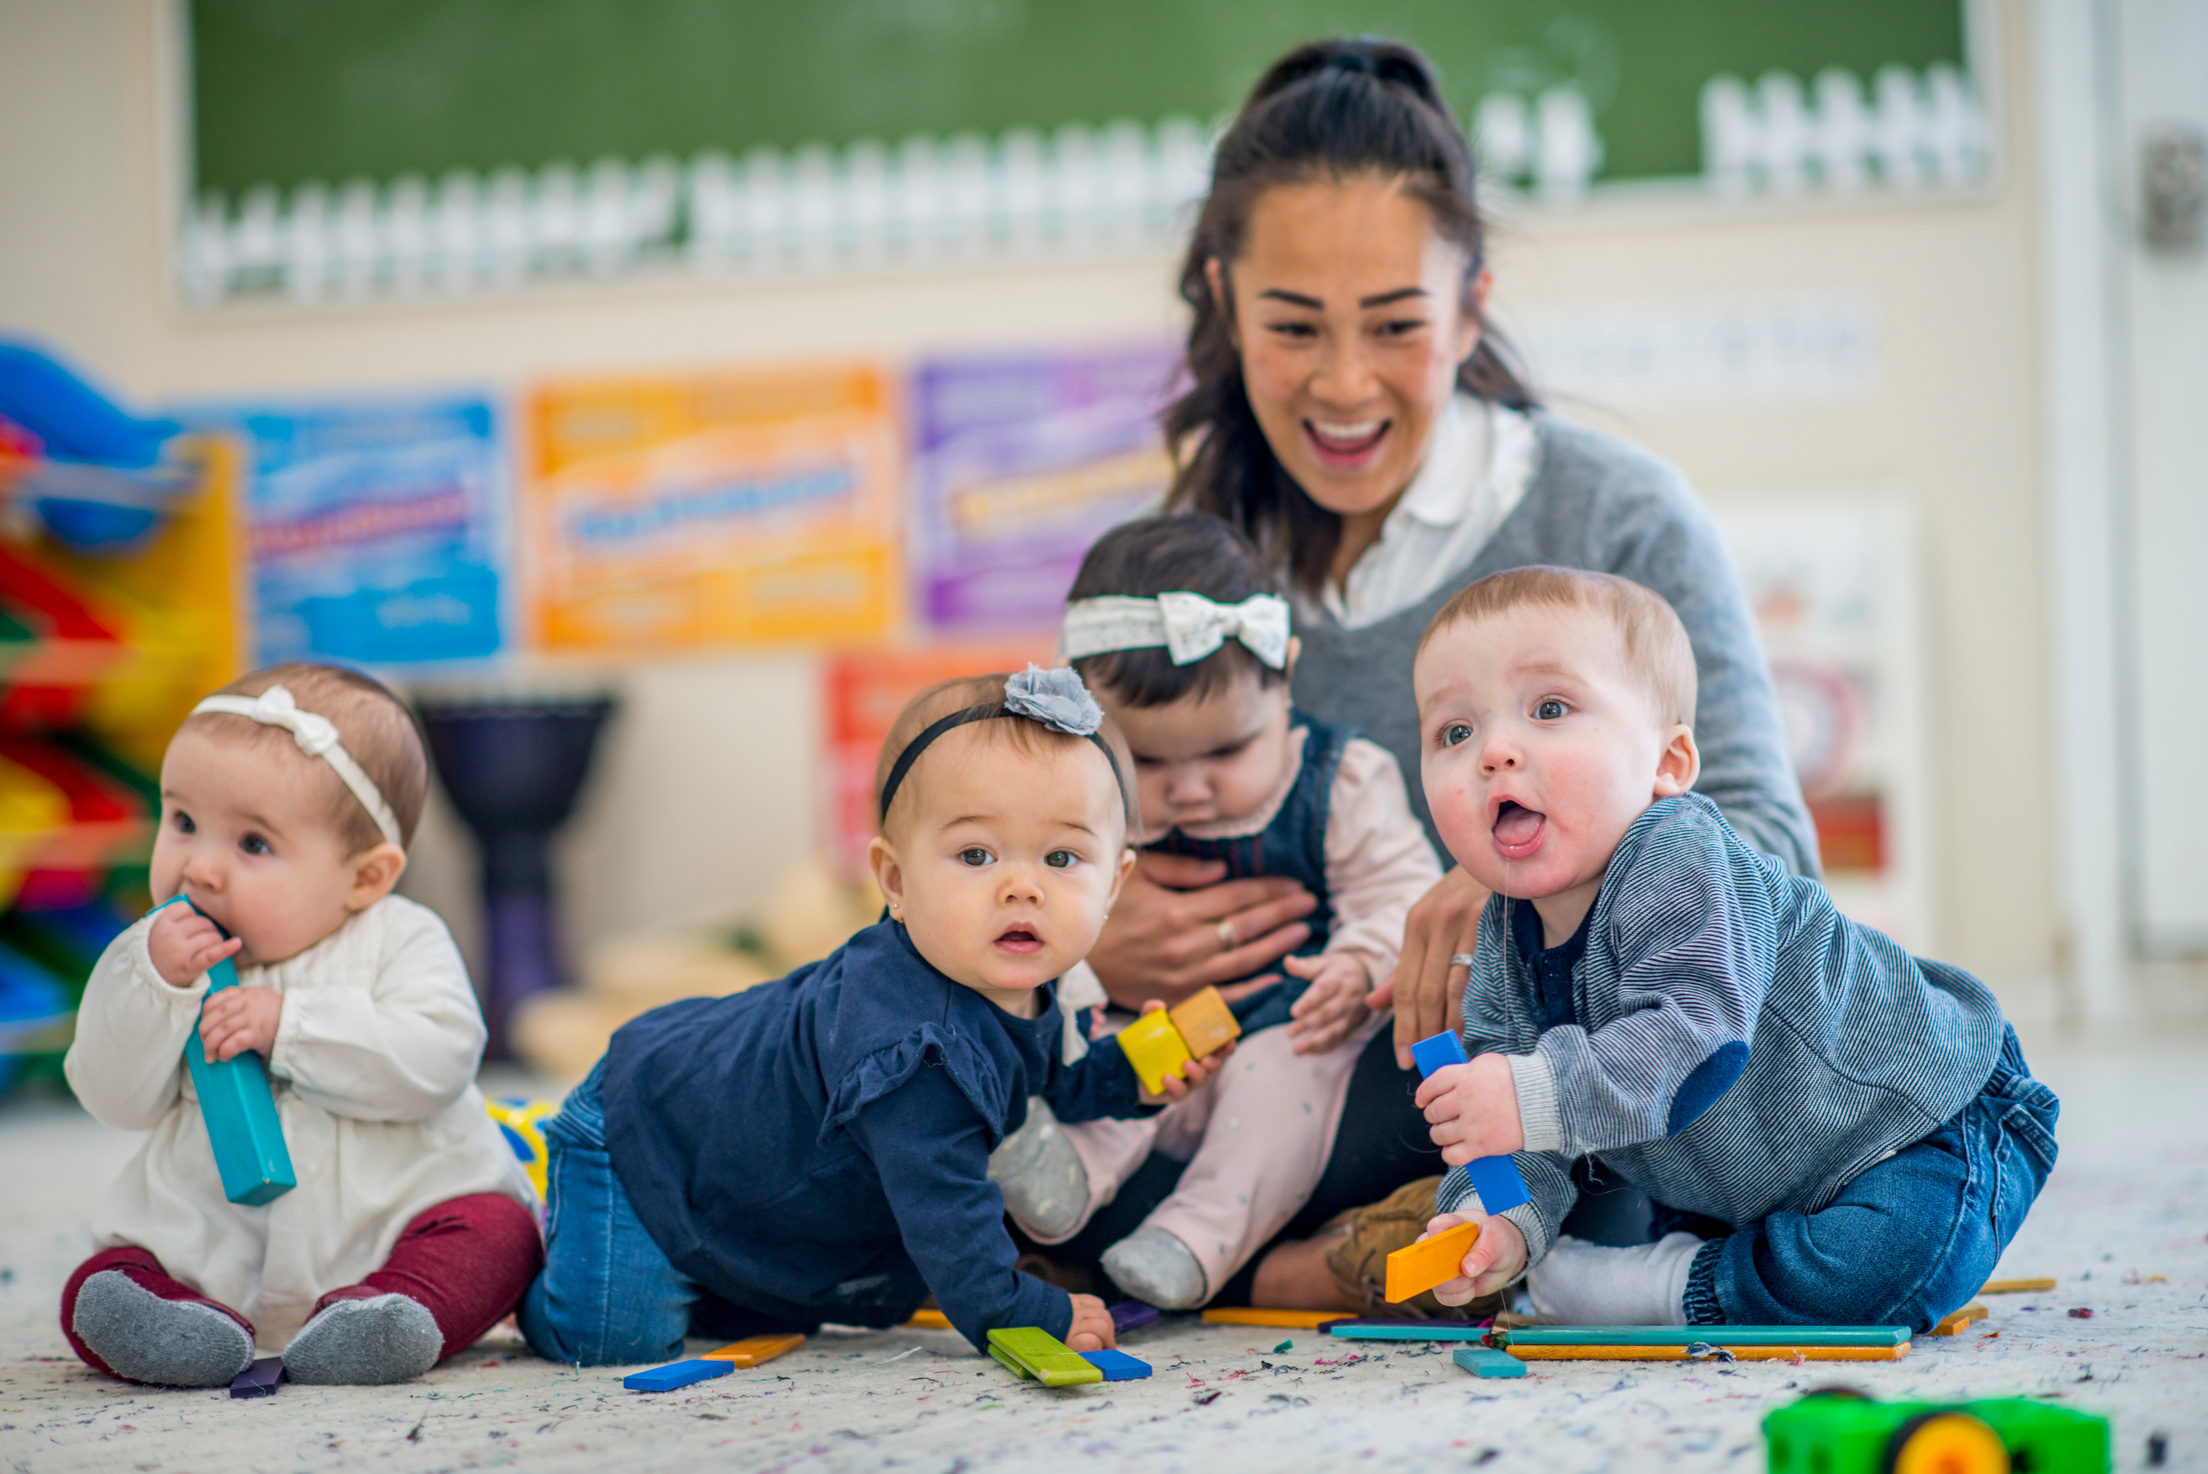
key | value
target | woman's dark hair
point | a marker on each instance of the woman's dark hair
(1327, 110)
(1176, 553)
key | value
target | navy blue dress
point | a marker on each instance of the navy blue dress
(1292, 845)
(817, 1148)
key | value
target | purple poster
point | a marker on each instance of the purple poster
(1020, 462)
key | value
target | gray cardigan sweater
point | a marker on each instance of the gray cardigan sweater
(1596, 503)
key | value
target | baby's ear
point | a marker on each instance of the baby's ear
(374, 874)
(1679, 764)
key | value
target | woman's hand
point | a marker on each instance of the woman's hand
(1472, 1110)
(1092, 1325)
(184, 944)
(1333, 1007)
(1428, 989)
(237, 1019)
(1496, 1258)
(1179, 927)
(1194, 1072)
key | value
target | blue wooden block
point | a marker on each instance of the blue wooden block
(1117, 1366)
(1406, 1330)
(1438, 1052)
(676, 1374)
(259, 1379)
(239, 1107)
(1497, 1180)
(1485, 1361)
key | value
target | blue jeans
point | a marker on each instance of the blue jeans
(608, 1296)
(1908, 1240)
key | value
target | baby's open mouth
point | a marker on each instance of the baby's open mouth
(1021, 939)
(1516, 826)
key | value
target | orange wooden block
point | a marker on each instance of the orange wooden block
(1245, 1315)
(2014, 1287)
(753, 1350)
(1430, 1262)
(928, 1320)
(1205, 1023)
(1959, 1322)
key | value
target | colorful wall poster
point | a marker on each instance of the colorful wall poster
(374, 527)
(1020, 462)
(861, 694)
(687, 511)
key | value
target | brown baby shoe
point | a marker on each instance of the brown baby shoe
(1365, 1237)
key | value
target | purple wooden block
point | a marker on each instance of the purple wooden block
(259, 1379)
(1129, 1315)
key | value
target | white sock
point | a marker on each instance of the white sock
(1583, 1284)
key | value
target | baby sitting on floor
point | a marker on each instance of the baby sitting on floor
(1833, 1131)
(1180, 628)
(287, 801)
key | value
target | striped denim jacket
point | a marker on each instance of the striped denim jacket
(1742, 1047)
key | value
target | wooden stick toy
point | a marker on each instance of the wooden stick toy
(1959, 1321)
(1117, 1366)
(239, 1107)
(1497, 1180)
(1037, 1354)
(2015, 1287)
(1693, 1343)
(753, 1350)
(1429, 1262)
(1406, 1330)
(1244, 1315)
(676, 1374)
(260, 1379)
(1484, 1361)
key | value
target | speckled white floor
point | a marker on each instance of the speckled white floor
(2124, 1223)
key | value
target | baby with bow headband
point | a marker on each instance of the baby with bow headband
(1183, 633)
(287, 801)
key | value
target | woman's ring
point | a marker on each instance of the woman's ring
(1227, 939)
(1460, 959)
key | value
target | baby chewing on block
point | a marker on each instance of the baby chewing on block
(287, 800)
(1184, 633)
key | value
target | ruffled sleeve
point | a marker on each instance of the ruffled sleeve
(970, 1070)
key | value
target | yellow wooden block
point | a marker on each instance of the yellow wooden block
(1429, 1262)
(2011, 1287)
(753, 1350)
(1679, 1353)
(1957, 1323)
(1205, 1023)
(928, 1320)
(1155, 1048)
(1300, 1320)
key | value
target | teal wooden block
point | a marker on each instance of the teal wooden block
(1485, 1361)
(239, 1107)
(1712, 1335)
(1406, 1330)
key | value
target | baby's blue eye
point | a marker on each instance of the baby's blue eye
(973, 855)
(184, 824)
(1549, 711)
(1456, 734)
(1061, 859)
(253, 844)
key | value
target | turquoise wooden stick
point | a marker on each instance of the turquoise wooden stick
(239, 1107)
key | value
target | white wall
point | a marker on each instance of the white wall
(706, 788)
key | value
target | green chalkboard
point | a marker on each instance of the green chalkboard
(290, 90)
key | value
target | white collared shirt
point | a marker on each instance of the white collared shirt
(1475, 472)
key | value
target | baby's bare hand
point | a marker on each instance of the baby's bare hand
(1194, 1072)
(1333, 1007)
(184, 944)
(238, 1019)
(1092, 1325)
(1472, 1110)
(1493, 1261)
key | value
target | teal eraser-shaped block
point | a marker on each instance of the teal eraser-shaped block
(239, 1107)
(1481, 1361)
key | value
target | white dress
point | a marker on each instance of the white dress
(374, 1073)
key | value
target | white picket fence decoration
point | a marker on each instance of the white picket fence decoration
(1076, 190)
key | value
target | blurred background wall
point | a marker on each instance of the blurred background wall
(1893, 357)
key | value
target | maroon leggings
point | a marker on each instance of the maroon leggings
(468, 1261)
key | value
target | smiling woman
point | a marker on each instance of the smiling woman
(1352, 412)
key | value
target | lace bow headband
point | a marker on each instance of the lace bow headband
(1055, 698)
(1187, 627)
(317, 737)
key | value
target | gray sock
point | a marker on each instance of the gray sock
(1151, 1264)
(173, 1343)
(1045, 1186)
(365, 1343)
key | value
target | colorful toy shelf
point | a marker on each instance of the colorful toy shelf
(119, 560)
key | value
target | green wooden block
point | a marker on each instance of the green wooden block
(1042, 1356)
(1712, 1335)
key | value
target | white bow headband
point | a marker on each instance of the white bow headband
(317, 737)
(1187, 626)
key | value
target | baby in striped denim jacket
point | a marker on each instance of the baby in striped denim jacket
(1831, 1130)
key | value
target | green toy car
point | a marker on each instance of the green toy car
(1842, 1432)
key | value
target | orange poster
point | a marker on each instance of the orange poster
(696, 510)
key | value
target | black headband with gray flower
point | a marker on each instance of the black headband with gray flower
(1054, 698)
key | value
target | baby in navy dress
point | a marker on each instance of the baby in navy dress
(816, 1149)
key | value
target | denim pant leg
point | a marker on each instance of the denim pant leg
(1908, 1240)
(607, 1296)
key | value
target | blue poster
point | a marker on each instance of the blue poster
(375, 528)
